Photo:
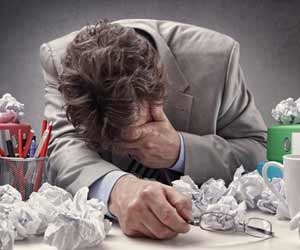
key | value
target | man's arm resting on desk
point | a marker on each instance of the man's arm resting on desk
(101, 189)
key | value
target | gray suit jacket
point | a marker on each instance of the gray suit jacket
(208, 103)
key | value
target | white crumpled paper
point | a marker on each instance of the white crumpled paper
(246, 187)
(9, 195)
(226, 205)
(47, 202)
(53, 210)
(211, 197)
(7, 233)
(80, 224)
(10, 109)
(287, 111)
(246, 190)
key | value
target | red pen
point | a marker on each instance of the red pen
(44, 126)
(20, 143)
(39, 176)
(28, 143)
(46, 144)
(20, 165)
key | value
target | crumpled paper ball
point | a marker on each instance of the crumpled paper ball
(246, 190)
(9, 195)
(211, 197)
(53, 210)
(229, 206)
(268, 202)
(25, 221)
(47, 202)
(246, 187)
(287, 111)
(10, 109)
(81, 222)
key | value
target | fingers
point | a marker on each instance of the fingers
(158, 113)
(139, 137)
(132, 134)
(182, 204)
(155, 227)
(143, 209)
(165, 213)
(142, 231)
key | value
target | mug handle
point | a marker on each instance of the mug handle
(267, 181)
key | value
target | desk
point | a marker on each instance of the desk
(195, 239)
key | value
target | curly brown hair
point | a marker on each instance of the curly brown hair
(109, 71)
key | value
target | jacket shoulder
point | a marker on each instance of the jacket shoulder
(53, 52)
(183, 37)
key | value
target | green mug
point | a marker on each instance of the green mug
(279, 141)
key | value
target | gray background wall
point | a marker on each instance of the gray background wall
(268, 31)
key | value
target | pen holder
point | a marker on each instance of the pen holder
(24, 174)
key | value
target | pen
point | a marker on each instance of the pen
(24, 140)
(44, 126)
(28, 143)
(20, 165)
(9, 144)
(42, 143)
(45, 146)
(14, 142)
(20, 143)
(32, 147)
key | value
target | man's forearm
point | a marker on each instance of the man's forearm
(101, 189)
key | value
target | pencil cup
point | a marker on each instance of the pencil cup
(24, 174)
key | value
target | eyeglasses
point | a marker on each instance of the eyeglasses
(222, 222)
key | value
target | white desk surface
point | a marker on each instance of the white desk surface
(194, 239)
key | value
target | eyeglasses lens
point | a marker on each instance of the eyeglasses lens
(259, 228)
(217, 222)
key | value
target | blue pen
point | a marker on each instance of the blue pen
(32, 148)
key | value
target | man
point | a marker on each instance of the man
(154, 98)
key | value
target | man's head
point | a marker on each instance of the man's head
(110, 73)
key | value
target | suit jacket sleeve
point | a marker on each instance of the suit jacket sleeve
(71, 164)
(240, 137)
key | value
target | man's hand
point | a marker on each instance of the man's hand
(149, 208)
(155, 144)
